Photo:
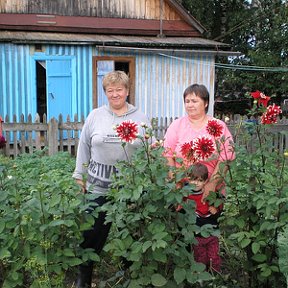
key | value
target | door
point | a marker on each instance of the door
(59, 88)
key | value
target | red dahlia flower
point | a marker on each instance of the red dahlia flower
(204, 147)
(188, 152)
(214, 128)
(270, 116)
(127, 131)
(260, 97)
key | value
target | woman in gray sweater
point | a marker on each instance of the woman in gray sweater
(98, 151)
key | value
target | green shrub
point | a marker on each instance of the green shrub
(256, 210)
(147, 232)
(41, 220)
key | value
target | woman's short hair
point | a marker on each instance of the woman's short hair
(200, 91)
(115, 77)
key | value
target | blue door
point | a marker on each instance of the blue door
(59, 88)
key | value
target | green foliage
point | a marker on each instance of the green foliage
(256, 29)
(41, 220)
(42, 216)
(283, 252)
(147, 232)
(256, 211)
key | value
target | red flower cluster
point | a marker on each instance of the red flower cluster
(2, 141)
(2, 138)
(214, 128)
(127, 131)
(260, 97)
(198, 149)
(270, 116)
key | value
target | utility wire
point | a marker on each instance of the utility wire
(251, 68)
(233, 66)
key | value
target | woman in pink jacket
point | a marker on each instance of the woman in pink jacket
(200, 129)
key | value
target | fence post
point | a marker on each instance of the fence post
(52, 136)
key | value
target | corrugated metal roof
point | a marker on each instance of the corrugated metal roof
(111, 40)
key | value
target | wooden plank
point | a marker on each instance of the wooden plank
(15, 144)
(120, 26)
(52, 137)
(61, 138)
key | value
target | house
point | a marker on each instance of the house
(53, 55)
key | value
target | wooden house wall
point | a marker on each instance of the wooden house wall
(159, 84)
(139, 9)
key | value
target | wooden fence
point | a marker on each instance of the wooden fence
(24, 136)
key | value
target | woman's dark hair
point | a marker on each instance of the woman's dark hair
(200, 91)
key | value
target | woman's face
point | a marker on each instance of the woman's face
(116, 95)
(194, 105)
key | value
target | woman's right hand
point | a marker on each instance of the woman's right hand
(81, 184)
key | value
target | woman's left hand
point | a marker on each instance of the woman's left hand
(210, 186)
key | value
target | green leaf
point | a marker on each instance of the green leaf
(134, 284)
(146, 245)
(2, 226)
(255, 247)
(56, 223)
(179, 275)
(68, 252)
(259, 258)
(158, 280)
(74, 261)
(15, 276)
(55, 200)
(245, 242)
(137, 192)
(159, 235)
(94, 257)
(266, 272)
(159, 255)
(4, 253)
(265, 226)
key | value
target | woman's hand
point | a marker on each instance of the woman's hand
(209, 186)
(81, 183)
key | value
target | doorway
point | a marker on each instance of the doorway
(103, 65)
(41, 95)
(53, 87)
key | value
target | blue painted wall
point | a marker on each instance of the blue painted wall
(159, 84)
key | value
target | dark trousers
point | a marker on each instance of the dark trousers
(94, 238)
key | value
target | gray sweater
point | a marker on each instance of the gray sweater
(100, 148)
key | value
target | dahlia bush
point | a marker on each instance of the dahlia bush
(256, 211)
(149, 237)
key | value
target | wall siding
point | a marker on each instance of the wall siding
(139, 9)
(14, 75)
(159, 84)
(161, 80)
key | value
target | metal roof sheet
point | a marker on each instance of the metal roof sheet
(112, 40)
